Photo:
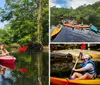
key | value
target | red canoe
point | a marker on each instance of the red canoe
(7, 59)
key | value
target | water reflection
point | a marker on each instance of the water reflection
(37, 65)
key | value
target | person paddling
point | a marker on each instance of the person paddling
(88, 69)
(3, 50)
(3, 53)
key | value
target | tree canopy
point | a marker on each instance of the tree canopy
(28, 21)
(84, 13)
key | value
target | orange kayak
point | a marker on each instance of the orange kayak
(56, 31)
(80, 26)
(77, 26)
(61, 81)
(68, 25)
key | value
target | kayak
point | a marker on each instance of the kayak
(94, 29)
(56, 31)
(61, 81)
(77, 26)
(7, 59)
(68, 25)
(11, 66)
(80, 26)
(22, 49)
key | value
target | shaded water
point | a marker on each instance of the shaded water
(37, 65)
(76, 35)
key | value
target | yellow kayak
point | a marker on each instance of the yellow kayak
(61, 81)
(56, 31)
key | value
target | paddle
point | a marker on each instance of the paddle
(82, 48)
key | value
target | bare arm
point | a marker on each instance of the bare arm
(79, 70)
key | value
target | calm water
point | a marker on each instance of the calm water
(37, 65)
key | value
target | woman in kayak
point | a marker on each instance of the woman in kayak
(3, 53)
(88, 69)
(3, 50)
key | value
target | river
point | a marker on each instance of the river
(36, 64)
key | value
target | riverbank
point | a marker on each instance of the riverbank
(75, 52)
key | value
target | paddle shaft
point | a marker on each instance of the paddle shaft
(75, 64)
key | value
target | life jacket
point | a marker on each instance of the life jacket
(89, 71)
(83, 64)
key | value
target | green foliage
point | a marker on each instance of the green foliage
(84, 13)
(22, 16)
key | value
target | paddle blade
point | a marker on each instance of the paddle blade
(83, 46)
(23, 49)
(23, 70)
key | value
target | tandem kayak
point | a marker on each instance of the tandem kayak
(7, 59)
(94, 29)
(56, 31)
(61, 81)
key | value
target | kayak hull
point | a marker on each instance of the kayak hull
(61, 81)
(56, 31)
(58, 81)
(7, 59)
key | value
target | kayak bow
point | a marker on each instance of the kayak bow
(56, 31)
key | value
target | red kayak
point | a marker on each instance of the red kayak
(23, 49)
(11, 66)
(7, 59)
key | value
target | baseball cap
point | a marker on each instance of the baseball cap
(85, 56)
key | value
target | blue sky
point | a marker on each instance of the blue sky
(60, 3)
(2, 2)
(70, 3)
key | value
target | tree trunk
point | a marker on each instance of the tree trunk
(39, 23)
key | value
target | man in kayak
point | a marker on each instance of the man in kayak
(88, 69)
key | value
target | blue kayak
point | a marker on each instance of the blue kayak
(94, 29)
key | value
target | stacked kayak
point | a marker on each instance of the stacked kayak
(80, 26)
(68, 25)
(56, 31)
(61, 81)
(77, 26)
(94, 29)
